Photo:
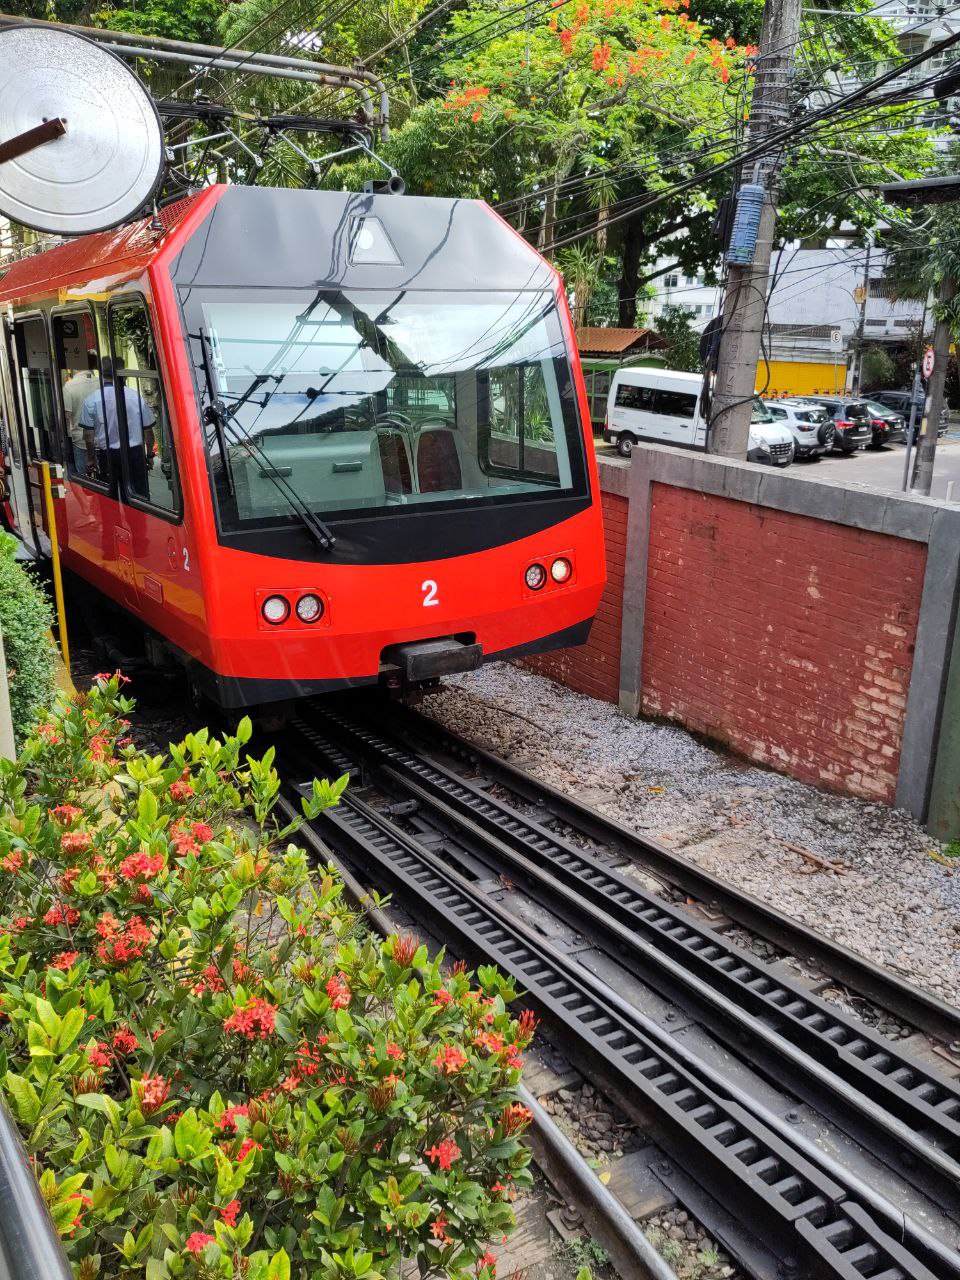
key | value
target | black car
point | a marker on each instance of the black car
(900, 402)
(851, 418)
(888, 425)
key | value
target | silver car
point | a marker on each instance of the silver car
(809, 424)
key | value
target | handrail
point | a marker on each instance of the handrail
(30, 1247)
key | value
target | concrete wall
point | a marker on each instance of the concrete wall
(805, 625)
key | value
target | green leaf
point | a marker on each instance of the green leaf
(38, 1041)
(102, 1103)
(48, 1018)
(72, 1026)
(279, 1268)
(147, 806)
(345, 1026)
(26, 1100)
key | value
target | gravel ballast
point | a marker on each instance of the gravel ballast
(887, 898)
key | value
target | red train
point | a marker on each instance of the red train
(311, 440)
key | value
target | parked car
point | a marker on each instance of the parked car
(900, 402)
(809, 424)
(888, 425)
(663, 406)
(851, 420)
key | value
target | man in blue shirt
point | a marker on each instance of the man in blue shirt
(101, 432)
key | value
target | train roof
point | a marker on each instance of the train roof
(273, 237)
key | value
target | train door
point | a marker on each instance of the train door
(32, 371)
(151, 497)
(15, 497)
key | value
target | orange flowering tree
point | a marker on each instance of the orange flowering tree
(216, 1070)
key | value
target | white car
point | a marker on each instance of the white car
(809, 424)
(663, 406)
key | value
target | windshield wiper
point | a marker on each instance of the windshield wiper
(217, 416)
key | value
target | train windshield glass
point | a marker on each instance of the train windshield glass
(362, 403)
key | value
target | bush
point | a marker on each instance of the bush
(25, 618)
(217, 1071)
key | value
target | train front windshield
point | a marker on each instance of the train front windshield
(356, 403)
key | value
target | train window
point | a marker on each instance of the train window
(136, 414)
(36, 374)
(78, 370)
(364, 401)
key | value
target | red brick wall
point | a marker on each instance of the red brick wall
(788, 638)
(594, 668)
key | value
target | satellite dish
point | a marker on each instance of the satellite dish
(81, 144)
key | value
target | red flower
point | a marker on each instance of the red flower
(511, 1056)
(228, 1121)
(151, 1092)
(438, 1229)
(124, 1041)
(99, 746)
(527, 1024)
(19, 922)
(65, 814)
(492, 1041)
(141, 866)
(338, 989)
(488, 1260)
(394, 1051)
(199, 1241)
(442, 997)
(255, 1020)
(202, 832)
(602, 54)
(73, 842)
(48, 734)
(100, 1055)
(210, 980)
(229, 1213)
(13, 861)
(65, 960)
(405, 947)
(130, 945)
(246, 1146)
(514, 1118)
(450, 1059)
(444, 1154)
(180, 791)
(143, 893)
(566, 41)
(56, 915)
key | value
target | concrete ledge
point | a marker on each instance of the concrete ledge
(860, 508)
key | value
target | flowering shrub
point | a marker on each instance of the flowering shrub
(25, 616)
(216, 1070)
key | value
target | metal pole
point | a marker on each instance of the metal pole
(55, 563)
(745, 301)
(8, 750)
(927, 445)
(914, 397)
(861, 326)
(30, 1248)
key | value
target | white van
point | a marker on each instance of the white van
(663, 406)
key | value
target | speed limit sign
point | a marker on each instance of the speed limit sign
(928, 362)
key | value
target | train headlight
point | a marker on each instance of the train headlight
(561, 570)
(535, 576)
(309, 608)
(275, 609)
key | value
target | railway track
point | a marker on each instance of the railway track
(783, 1203)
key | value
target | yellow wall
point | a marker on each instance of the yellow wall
(800, 378)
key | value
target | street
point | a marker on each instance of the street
(870, 468)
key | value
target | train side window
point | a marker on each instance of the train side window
(521, 436)
(36, 375)
(140, 411)
(78, 370)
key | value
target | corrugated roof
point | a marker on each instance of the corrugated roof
(597, 340)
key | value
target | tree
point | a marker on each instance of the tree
(878, 368)
(674, 324)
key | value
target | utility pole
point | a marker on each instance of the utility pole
(927, 443)
(857, 364)
(751, 243)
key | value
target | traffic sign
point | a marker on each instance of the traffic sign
(836, 338)
(928, 362)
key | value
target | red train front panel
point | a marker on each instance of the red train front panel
(351, 427)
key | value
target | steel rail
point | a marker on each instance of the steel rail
(913, 1005)
(629, 1249)
(30, 1247)
(904, 1105)
(807, 1215)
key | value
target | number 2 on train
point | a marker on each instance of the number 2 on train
(429, 589)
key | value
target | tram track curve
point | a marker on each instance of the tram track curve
(823, 1218)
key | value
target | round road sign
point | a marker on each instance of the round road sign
(928, 362)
